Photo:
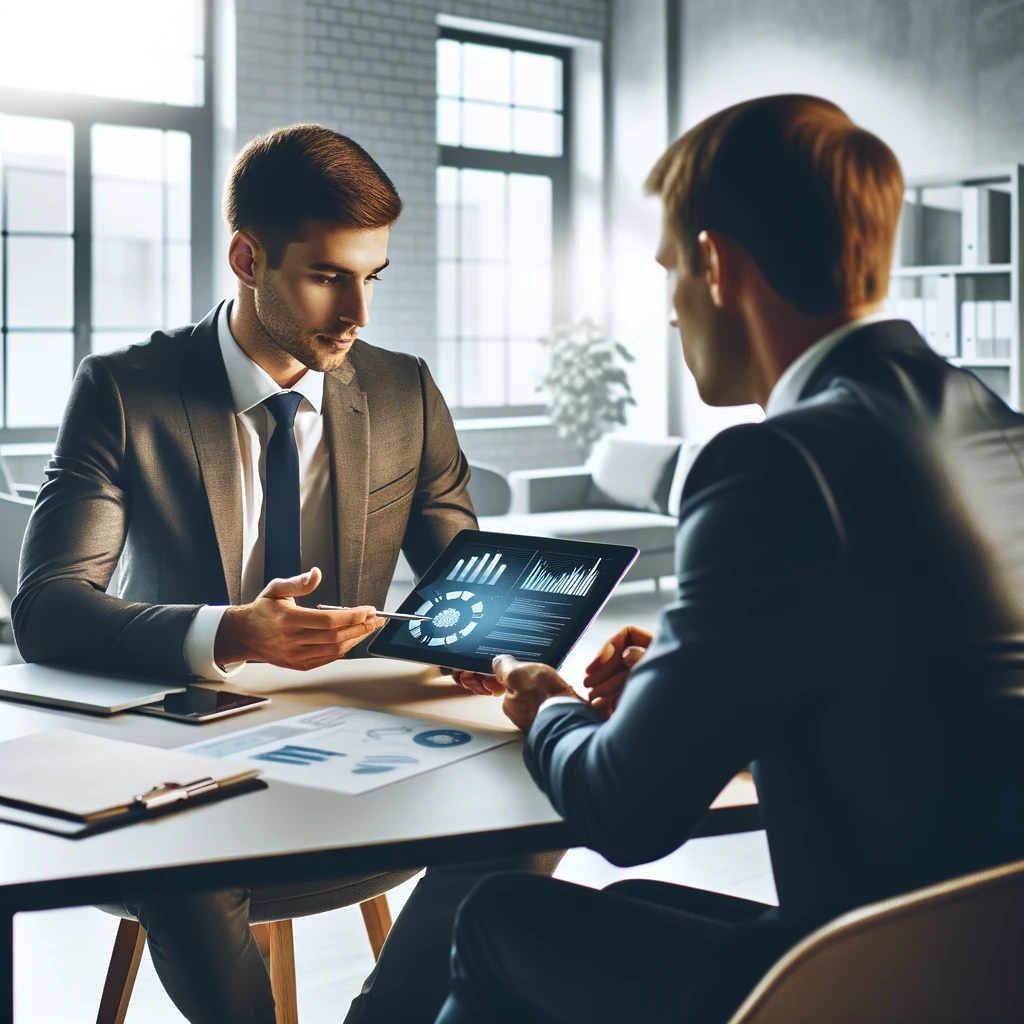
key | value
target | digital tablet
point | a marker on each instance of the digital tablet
(499, 593)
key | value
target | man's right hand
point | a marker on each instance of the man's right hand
(606, 675)
(276, 630)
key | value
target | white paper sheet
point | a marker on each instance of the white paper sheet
(348, 750)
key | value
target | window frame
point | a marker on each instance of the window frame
(557, 168)
(83, 112)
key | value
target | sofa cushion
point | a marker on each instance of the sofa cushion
(647, 531)
(688, 452)
(632, 472)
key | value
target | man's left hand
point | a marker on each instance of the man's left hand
(526, 685)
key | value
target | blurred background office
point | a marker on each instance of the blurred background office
(518, 133)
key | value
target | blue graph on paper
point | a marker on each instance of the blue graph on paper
(349, 750)
(292, 754)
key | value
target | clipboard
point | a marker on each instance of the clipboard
(75, 784)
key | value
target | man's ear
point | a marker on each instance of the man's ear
(245, 257)
(715, 261)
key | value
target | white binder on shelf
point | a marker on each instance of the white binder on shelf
(968, 330)
(945, 316)
(986, 329)
(1003, 329)
(973, 227)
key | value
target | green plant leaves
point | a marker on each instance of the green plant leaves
(587, 392)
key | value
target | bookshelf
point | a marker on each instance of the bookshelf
(957, 272)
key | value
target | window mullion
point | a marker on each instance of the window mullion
(4, 291)
(82, 238)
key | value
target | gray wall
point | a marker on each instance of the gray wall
(367, 68)
(942, 81)
(638, 304)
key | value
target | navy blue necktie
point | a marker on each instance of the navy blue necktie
(282, 549)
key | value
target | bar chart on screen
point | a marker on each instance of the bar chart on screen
(482, 569)
(552, 574)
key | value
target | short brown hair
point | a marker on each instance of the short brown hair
(305, 172)
(812, 197)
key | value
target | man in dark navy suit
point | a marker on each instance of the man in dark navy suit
(847, 570)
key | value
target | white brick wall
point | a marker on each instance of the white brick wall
(367, 68)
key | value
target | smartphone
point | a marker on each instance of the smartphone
(200, 704)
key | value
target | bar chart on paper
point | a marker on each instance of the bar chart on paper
(552, 574)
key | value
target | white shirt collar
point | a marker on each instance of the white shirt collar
(786, 392)
(250, 383)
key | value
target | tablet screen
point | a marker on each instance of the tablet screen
(492, 593)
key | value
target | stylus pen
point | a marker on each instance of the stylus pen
(380, 615)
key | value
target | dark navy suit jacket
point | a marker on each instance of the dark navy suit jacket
(851, 590)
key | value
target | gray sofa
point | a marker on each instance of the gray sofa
(569, 502)
(558, 503)
(646, 477)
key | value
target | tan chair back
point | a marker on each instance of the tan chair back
(953, 952)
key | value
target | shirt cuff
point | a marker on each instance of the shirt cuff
(199, 643)
(561, 699)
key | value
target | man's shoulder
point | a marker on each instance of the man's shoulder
(383, 369)
(787, 458)
(157, 353)
(366, 355)
(752, 452)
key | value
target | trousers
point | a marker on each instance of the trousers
(211, 967)
(535, 950)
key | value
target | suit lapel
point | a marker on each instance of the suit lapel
(347, 425)
(206, 396)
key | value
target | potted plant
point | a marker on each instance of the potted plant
(587, 388)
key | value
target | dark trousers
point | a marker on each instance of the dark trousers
(210, 965)
(539, 951)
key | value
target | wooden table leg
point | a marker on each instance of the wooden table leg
(377, 917)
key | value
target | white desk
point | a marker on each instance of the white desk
(484, 806)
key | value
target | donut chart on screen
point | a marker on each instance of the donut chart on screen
(453, 615)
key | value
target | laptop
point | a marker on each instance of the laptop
(76, 690)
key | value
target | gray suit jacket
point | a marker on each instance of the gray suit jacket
(146, 469)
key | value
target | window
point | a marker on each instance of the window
(124, 49)
(141, 225)
(97, 225)
(502, 209)
(36, 308)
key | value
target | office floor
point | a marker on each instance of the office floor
(61, 955)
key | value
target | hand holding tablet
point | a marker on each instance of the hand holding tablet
(489, 594)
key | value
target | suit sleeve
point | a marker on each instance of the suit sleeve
(738, 655)
(441, 506)
(75, 535)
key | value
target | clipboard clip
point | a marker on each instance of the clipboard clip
(172, 792)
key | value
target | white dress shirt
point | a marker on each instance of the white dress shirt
(250, 386)
(786, 392)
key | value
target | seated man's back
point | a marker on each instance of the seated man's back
(885, 512)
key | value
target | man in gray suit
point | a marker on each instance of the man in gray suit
(243, 470)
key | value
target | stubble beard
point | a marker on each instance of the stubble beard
(285, 334)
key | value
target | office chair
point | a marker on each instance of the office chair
(271, 921)
(948, 953)
(8, 486)
(489, 490)
(14, 513)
